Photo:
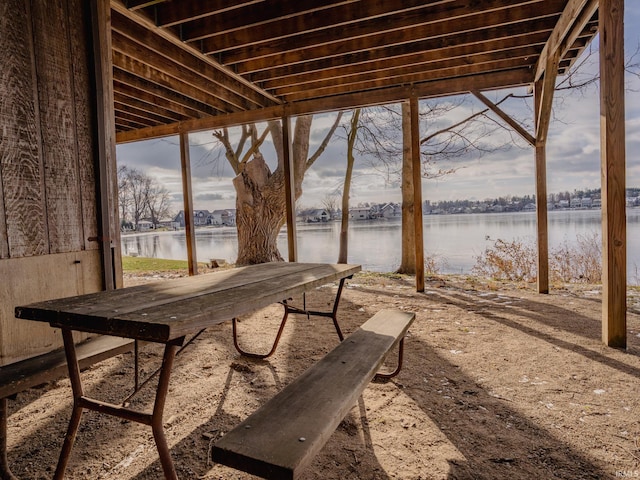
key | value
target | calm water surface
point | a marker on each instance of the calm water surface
(455, 240)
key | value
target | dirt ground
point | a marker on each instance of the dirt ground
(498, 383)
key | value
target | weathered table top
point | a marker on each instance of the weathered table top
(167, 310)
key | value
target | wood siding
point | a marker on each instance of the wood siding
(48, 200)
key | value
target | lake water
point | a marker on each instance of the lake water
(455, 240)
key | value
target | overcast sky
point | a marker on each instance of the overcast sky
(573, 154)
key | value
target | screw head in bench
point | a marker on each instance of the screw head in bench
(247, 426)
(301, 439)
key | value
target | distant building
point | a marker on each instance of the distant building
(144, 225)
(225, 217)
(360, 213)
(200, 218)
(390, 210)
(314, 215)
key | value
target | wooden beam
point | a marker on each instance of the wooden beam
(361, 36)
(169, 98)
(451, 74)
(450, 86)
(119, 7)
(543, 91)
(359, 78)
(138, 42)
(612, 138)
(265, 17)
(542, 227)
(187, 198)
(174, 82)
(123, 90)
(414, 111)
(126, 112)
(569, 26)
(289, 188)
(139, 4)
(172, 13)
(545, 103)
(143, 108)
(504, 116)
(425, 52)
(108, 228)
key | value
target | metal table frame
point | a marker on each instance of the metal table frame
(47, 311)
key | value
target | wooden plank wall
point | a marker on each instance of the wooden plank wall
(48, 203)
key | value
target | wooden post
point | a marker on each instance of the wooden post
(414, 108)
(106, 171)
(612, 143)
(541, 185)
(187, 196)
(289, 186)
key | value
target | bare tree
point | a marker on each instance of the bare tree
(330, 202)
(379, 135)
(158, 202)
(141, 196)
(124, 194)
(260, 200)
(352, 135)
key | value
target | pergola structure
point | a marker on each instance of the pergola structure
(80, 76)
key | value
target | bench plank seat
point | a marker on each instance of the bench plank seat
(283, 436)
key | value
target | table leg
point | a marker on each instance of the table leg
(275, 343)
(5, 471)
(158, 409)
(333, 314)
(154, 419)
(76, 414)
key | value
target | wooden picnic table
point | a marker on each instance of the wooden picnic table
(167, 312)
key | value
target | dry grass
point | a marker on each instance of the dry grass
(516, 260)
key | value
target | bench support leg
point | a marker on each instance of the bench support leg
(5, 471)
(333, 314)
(387, 376)
(80, 402)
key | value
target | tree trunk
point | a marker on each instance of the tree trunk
(260, 201)
(408, 254)
(260, 212)
(344, 224)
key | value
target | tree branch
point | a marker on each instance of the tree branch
(325, 142)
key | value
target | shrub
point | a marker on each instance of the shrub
(580, 262)
(514, 260)
(434, 264)
(517, 260)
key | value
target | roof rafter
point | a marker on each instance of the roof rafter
(180, 65)
(572, 22)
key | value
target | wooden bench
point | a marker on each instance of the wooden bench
(281, 438)
(19, 376)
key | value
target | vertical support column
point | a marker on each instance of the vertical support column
(541, 190)
(414, 108)
(289, 188)
(108, 228)
(612, 142)
(187, 196)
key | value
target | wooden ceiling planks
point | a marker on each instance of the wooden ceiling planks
(184, 65)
